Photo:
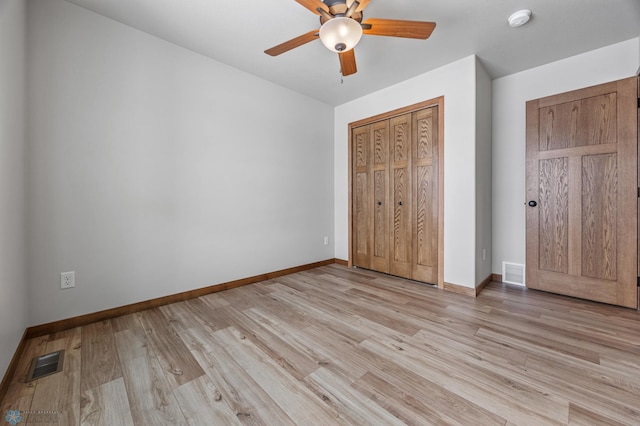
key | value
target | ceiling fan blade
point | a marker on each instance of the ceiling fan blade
(313, 5)
(397, 28)
(292, 44)
(348, 62)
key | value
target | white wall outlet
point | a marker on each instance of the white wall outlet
(484, 255)
(326, 241)
(68, 279)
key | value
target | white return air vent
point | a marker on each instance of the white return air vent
(513, 273)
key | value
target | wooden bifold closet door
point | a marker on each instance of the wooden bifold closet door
(395, 195)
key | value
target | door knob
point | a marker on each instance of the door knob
(532, 203)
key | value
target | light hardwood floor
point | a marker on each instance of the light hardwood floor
(339, 346)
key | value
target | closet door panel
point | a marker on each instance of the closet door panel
(425, 193)
(361, 202)
(380, 140)
(401, 238)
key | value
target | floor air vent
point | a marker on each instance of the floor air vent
(45, 365)
(513, 273)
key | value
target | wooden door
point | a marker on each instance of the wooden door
(371, 196)
(400, 174)
(582, 193)
(362, 217)
(380, 202)
(425, 195)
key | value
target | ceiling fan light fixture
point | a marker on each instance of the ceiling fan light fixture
(340, 34)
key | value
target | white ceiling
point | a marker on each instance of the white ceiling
(237, 33)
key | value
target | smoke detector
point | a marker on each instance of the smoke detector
(519, 18)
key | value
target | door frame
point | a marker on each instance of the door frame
(435, 102)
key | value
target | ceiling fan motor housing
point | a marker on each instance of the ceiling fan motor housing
(339, 8)
(334, 2)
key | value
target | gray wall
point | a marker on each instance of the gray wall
(484, 245)
(457, 83)
(510, 94)
(154, 170)
(13, 285)
(466, 88)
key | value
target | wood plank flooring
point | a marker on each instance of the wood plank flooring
(347, 347)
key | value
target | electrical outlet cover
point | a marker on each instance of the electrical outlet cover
(68, 279)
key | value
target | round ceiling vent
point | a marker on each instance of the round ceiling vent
(519, 18)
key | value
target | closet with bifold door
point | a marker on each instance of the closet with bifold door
(396, 192)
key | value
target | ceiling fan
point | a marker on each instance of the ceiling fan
(342, 27)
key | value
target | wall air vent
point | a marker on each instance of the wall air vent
(513, 273)
(45, 365)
